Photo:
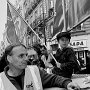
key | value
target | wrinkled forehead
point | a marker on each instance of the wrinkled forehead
(31, 52)
(19, 49)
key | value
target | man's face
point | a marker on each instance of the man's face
(32, 55)
(43, 51)
(63, 41)
(18, 59)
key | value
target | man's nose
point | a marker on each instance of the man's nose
(32, 57)
(26, 57)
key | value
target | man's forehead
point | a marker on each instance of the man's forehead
(31, 52)
(19, 48)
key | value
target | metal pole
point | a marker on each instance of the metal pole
(87, 17)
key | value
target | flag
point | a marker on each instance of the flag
(58, 25)
(11, 34)
(16, 27)
(58, 19)
(80, 10)
(71, 14)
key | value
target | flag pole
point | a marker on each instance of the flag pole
(31, 29)
(23, 19)
(64, 15)
(87, 17)
(83, 20)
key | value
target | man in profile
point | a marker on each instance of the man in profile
(18, 76)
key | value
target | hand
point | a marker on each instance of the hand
(73, 86)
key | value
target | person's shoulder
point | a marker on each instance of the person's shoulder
(70, 48)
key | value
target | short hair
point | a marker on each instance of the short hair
(64, 34)
(37, 47)
(8, 50)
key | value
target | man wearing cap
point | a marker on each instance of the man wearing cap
(65, 56)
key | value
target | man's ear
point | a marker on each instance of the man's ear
(9, 58)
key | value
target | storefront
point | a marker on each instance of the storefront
(80, 48)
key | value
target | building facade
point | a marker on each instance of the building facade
(80, 40)
(39, 15)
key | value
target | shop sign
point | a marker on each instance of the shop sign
(79, 49)
(76, 44)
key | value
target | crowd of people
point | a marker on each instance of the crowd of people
(36, 69)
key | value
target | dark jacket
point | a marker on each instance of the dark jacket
(87, 65)
(68, 62)
(48, 80)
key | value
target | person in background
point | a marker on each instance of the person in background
(45, 57)
(87, 69)
(65, 56)
(35, 57)
(41, 58)
(88, 63)
(81, 62)
(44, 51)
(18, 76)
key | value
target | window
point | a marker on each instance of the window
(81, 54)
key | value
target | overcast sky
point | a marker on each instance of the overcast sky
(3, 16)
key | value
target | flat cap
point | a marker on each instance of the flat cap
(64, 34)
